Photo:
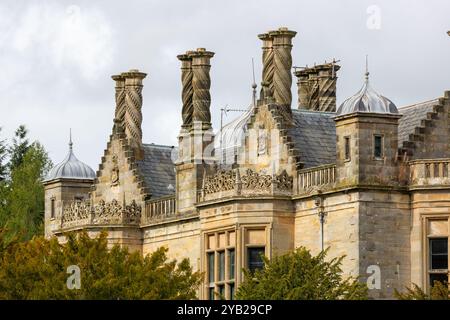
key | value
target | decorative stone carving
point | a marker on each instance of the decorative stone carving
(221, 181)
(82, 213)
(187, 91)
(262, 140)
(201, 83)
(284, 182)
(75, 211)
(114, 172)
(250, 183)
(132, 213)
(255, 181)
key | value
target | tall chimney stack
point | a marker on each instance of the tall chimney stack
(282, 78)
(133, 112)
(327, 86)
(187, 89)
(119, 113)
(201, 83)
(268, 66)
(317, 87)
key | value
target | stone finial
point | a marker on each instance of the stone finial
(268, 66)
(201, 83)
(187, 89)
(120, 99)
(133, 113)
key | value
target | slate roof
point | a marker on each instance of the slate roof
(411, 118)
(158, 169)
(314, 135)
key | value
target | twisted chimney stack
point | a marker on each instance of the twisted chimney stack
(187, 89)
(128, 113)
(201, 83)
(277, 64)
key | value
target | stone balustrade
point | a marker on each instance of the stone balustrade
(322, 177)
(429, 173)
(159, 209)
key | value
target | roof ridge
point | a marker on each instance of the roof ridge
(158, 145)
(312, 111)
(419, 103)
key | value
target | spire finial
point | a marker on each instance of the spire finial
(254, 83)
(367, 68)
(70, 139)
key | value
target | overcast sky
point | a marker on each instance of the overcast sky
(56, 58)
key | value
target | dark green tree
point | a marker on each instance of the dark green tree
(3, 154)
(439, 291)
(19, 148)
(37, 269)
(299, 275)
(23, 211)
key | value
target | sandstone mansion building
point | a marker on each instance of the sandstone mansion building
(366, 179)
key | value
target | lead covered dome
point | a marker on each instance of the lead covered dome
(367, 100)
(71, 168)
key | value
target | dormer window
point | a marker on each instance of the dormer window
(378, 146)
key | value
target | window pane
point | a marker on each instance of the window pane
(441, 277)
(221, 265)
(347, 148)
(439, 253)
(211, 293)
(231, 262)
(221, 291)
(231, 291)
(52, 209)
(377, 148)
(255, 260)
(211, 267)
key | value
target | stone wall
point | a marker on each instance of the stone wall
(427, 206)
(62, 191)
(181, 237)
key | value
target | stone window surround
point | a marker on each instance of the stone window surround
(240, 251)
(53, 208)
(216, 250)
(382, 147)
(347, 142)
(426, 218)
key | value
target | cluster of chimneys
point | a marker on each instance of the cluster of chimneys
(317, 87)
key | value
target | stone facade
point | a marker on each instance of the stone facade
(373, 186)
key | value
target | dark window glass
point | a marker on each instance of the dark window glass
(221, 291)
(221, 265)
(52, 208)
(441, 277)
(231, 261)
(347, 148)
(378, 144)
(255, 260)
(439, 253)
(231, 291)
(211, 267)
(211, 293)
